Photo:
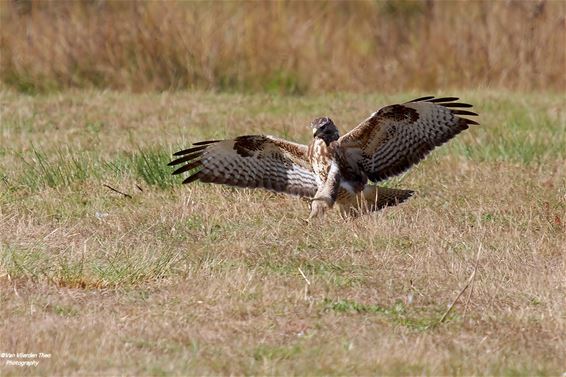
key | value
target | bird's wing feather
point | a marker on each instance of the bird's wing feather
(250, 161)
(396, 137)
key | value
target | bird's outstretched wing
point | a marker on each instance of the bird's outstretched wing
(396, 137)
(250, 161)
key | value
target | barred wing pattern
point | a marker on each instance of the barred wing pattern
(250, 161)
(397, 137)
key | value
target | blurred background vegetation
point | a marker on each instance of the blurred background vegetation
(283, 47)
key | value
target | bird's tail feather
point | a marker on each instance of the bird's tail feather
(372, 198)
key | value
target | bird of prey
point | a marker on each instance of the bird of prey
(333, 169)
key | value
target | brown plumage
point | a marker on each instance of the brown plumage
(250, 161)
(333, 169)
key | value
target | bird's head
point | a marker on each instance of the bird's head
(325, 129)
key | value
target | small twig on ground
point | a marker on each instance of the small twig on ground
(306, 292)
(473, 280)
(304, 277)
(470, 279)
(119, 192)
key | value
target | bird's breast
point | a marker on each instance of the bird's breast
(321, 159)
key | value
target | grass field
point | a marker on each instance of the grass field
(212, 280)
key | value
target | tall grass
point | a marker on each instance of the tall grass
(290, 47)
(67, 167)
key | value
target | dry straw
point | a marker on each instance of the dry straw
(289, 47)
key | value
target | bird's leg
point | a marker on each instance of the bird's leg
(326, 194)
(319, 206)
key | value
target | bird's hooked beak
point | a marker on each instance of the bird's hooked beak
(313, 128)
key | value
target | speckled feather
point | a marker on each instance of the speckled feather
(396, 137)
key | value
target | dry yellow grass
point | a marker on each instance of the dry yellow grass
(291, 47)
(206, 280)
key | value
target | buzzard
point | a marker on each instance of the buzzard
(333, 168)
